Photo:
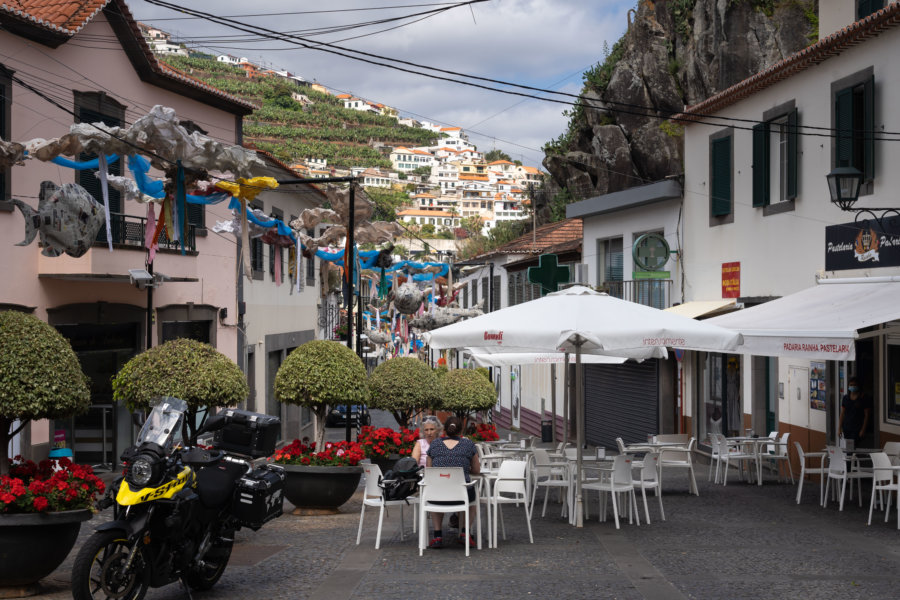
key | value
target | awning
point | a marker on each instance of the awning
(820, 322)
(698, 308)
(485, 359)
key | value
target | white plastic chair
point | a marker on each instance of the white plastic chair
(892, 449)
(636, 464)
(778, 456)
(735, 453)
(679, 458)
(649, 480)
(620, 482)
(805, 470)
(374, 497)
(547, 474)
(447, 484)
(838, 471)
(509, 487)
(715, 457)
(883, 481)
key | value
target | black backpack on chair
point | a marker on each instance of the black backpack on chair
(402, 481)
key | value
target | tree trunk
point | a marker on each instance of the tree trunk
(5, 427)
(321, 413)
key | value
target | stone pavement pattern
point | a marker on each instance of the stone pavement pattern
(740, 541)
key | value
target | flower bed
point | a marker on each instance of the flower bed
(384, 441)
(31, 488)
(334, 454)
(484, 432)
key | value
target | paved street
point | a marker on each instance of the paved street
(740, 541)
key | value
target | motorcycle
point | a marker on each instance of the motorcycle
(178, 505)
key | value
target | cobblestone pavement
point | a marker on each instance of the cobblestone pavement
(739, 541)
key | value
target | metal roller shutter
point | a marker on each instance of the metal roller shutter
(621, 401)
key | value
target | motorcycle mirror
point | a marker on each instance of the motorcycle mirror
(138, 418)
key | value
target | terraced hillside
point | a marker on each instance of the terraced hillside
(292, 131)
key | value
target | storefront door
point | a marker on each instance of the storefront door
(96, 436)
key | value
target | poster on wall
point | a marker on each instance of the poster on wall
(817, 385)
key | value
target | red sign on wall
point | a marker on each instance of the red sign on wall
(731, 280)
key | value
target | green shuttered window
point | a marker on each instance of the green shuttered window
(761, 164)
(720, 168)
(854, 119)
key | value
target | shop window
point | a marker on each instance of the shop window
(854, 122)
(892, 397)
(610, 261)
(775, 157)
(720, 178)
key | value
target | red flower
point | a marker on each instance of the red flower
(40, 503)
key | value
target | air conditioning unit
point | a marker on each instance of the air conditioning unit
(580, 273)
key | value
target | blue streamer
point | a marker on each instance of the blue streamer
(84, 165)
(283, 229)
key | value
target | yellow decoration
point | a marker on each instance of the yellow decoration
(247, 189)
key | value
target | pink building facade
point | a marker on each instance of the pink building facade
(55, 73)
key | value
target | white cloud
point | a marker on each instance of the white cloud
(542, 43)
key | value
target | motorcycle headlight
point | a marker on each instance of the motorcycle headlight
(141, 471)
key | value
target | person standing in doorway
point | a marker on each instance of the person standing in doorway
(856, 414)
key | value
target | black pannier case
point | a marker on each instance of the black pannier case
(259, 496)
(247, 433)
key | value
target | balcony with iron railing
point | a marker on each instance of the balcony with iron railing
(129, 231)
(649, 292)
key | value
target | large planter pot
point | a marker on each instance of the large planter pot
(385, 463)
(33, 545)
(320, 487)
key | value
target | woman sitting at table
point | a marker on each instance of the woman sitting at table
(453, 451)
(431, 429)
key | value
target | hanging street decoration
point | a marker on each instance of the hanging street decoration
(68, 219)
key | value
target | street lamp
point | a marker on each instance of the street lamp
(844, 184)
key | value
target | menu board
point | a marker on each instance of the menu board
(817, 385)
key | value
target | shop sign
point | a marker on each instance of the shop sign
(731, 280)
(862, 245)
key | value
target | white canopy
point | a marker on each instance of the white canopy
(580, 317)
(820, 322)
(584, 321)
(503, 359)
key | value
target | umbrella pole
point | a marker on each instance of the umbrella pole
(566, 384)
(579, 423)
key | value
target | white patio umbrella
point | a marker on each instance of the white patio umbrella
(580, 320)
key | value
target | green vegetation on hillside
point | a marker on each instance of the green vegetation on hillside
(292, 131)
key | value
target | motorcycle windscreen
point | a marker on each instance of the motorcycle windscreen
(163, 425)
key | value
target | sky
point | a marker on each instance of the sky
(541, 43)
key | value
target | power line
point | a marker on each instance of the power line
(315, 12)
(650, 112)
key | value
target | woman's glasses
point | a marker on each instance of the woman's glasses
(430, 419)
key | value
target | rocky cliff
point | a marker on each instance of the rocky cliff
(674, 53)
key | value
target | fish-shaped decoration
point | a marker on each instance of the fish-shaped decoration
(68, 219)
(443, 317)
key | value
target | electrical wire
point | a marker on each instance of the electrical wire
(650, 112)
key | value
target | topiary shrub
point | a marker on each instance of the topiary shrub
(403, 385)
(40, 377)
(467, 391)
(187, 369)
(320, 374)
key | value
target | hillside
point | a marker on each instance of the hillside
(292, 131)
(674, 53)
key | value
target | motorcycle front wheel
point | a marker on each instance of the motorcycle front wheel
(99, 570)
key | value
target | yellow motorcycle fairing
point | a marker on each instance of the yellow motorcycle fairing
(129, 497)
